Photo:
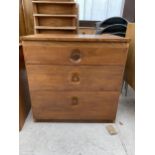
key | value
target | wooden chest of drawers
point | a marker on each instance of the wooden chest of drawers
(75, 77)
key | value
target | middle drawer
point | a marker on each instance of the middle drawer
(77, 78)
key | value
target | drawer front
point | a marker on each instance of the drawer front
(103, 54)
(85, 106)
(78, 78)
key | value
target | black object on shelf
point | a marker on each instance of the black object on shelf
(111, 21)
(112, 29)
(114, 25)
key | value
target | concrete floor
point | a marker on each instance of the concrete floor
(82, 138)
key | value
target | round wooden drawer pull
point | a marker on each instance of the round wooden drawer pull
(75, 56)
(75, 101)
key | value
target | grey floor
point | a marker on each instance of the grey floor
(82, 139)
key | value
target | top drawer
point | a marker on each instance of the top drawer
(75, 53)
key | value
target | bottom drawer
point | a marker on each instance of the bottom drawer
(74, 106)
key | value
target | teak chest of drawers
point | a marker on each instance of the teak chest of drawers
(75, 77)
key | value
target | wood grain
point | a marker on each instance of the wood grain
(87, 30)
(55, 28)
(57, 0)
(62, 14)
(106, 38)
(25, 28)
(55, 31)
(75, 77)
(59, 78)
(28, 16)
(43, 53)
(49, 105)
(22, 27)
(57, 21)
(36, 21)
(130, 65)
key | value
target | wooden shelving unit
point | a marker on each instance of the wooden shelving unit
(55, 16)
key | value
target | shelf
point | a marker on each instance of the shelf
(54, 28)
(50, 15)
(53, 16)
(54, 2)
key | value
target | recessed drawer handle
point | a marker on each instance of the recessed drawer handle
(75, 101)
(75, 78)
(75, 56)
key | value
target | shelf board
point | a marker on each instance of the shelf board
(53, 2)
(54, 28)
(50, 15)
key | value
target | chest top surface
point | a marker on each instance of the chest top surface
(75, 38)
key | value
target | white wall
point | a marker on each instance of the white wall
(100, 9)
